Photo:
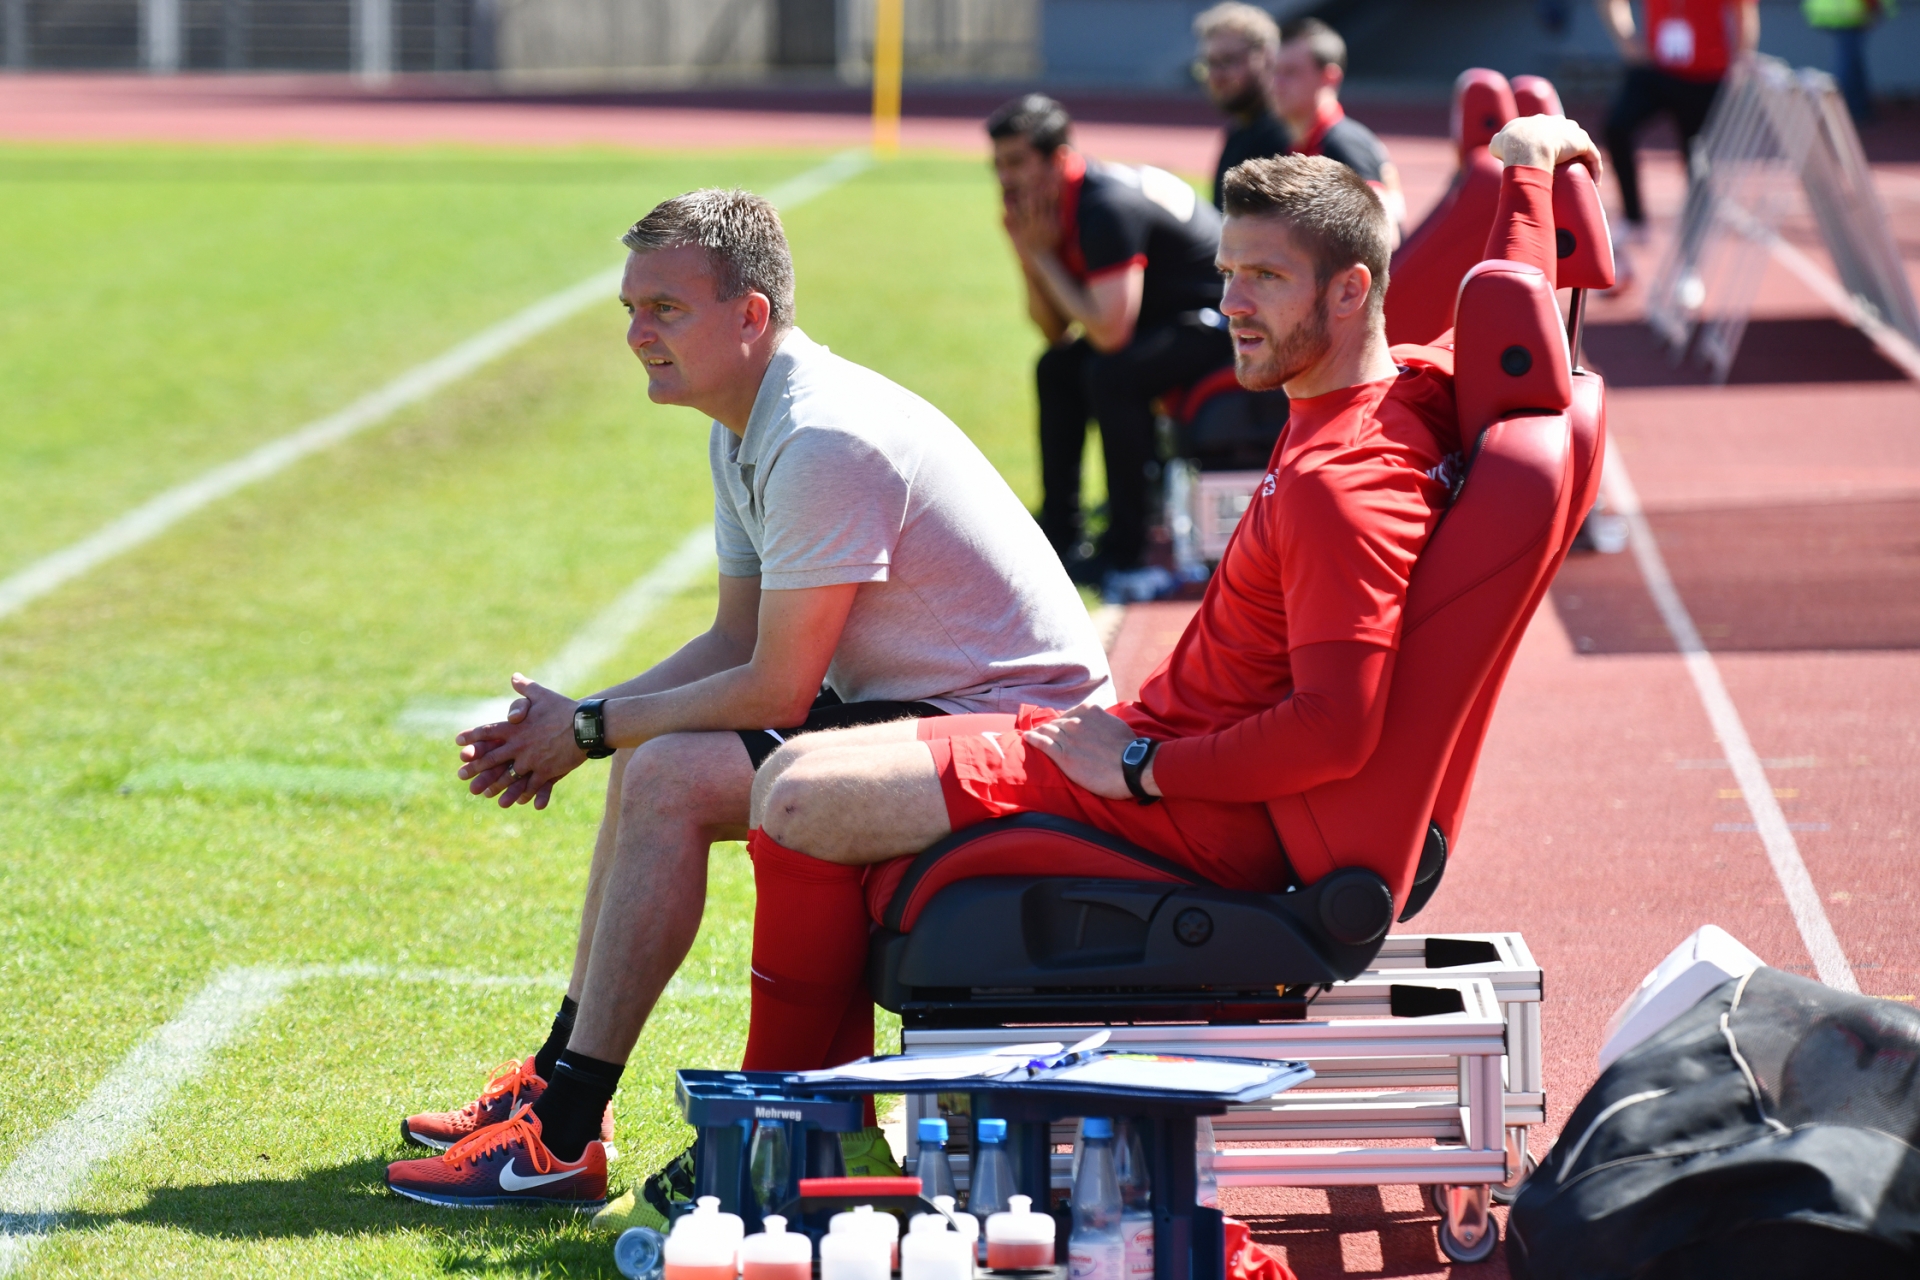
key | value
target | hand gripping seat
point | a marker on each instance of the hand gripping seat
(1425, 274)
(1036, 919)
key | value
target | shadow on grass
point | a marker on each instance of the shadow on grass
(351, 1199)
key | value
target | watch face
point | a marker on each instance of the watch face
(582, 721)
(1136, 752)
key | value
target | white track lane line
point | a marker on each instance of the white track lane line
(46, 1177)
(158, 514)
(591, 648)
(1803, 900)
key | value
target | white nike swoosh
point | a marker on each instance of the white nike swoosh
(511, 1181)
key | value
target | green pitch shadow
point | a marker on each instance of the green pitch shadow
(351, 1200)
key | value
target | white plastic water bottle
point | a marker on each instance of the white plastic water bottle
(1095, 1250)
(1136, 1200)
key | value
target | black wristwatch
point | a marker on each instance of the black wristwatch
(1133, 763)
(590, 728)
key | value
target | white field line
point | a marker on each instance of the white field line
(51, 1172)
(158, 514)
(1803, 900)
(591, 648)
(1891, 343)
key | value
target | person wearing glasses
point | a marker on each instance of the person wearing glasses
(1237, 46)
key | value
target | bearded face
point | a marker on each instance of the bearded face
(1276, 359)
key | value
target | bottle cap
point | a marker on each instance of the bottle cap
(1019, 1224)
(933, 1129)
(1093, 1127)
(965, 1223)
(989, 1130)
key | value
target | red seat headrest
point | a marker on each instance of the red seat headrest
(1482, 105)
(1581, 239)
(1536, 96)
(1510, 353)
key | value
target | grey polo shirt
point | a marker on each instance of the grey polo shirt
(845, 477)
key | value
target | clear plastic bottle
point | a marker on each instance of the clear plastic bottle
(1094, 1250)
(1136, 1199)
(776, 1253)
(853, 1250)
(864, 1218)
(636, 1253)
(705, 1244)
(990, 1183)
(934, 1251)
(931, 1163)
(1020, 1239)
(1206, 1185)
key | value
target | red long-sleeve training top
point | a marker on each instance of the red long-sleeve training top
(1280, 681)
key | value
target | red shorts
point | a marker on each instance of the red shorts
(988, 771)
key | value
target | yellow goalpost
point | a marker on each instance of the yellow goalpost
(889, 36)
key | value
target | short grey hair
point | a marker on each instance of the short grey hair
(1254, 25)
(742, 235)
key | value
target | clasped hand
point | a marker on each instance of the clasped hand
(1087, 743)
(1032, 222)
(521, 758)
(1545, 142)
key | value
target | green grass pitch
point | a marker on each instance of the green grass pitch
(205, 765)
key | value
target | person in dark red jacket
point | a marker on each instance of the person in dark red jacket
(1279, 683)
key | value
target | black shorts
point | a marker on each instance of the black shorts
(828, 712)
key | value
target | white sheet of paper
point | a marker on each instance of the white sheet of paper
(1146, 1073)
(957, 1066)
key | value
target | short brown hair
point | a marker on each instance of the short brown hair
(1042, 122)
(1323, 42)
(1255, 26)
(742, 235)
(1331, 208)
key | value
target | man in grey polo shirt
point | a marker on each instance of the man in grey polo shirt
(864, 542)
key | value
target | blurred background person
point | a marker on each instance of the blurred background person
(1849, 21)
(1674, 68)
(1118, 264)
(1305, 90)
(1237, 44)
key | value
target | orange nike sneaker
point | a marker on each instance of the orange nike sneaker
(505, 1164)
(514, 1084)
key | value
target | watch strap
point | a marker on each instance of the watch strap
(1133, 771)
(593, 740)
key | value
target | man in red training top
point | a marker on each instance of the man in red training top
(1280, 682)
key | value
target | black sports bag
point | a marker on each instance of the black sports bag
(1772, 1130)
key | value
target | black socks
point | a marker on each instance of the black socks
(556, 1039)
(577, 1095)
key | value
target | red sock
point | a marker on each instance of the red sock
(810, 929)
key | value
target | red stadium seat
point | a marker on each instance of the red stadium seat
(1035, 917)
(1428, 266)
(1536, 96)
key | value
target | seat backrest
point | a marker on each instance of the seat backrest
(1586, 262)
(1536, 96)
(1473, 587)
(1425, 275)
(1482, 104)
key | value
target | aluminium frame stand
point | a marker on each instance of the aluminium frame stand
(1467, 1084)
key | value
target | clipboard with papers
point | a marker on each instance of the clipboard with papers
(1084, 1070)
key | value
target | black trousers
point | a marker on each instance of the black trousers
(1116, 389)
(1646, 93)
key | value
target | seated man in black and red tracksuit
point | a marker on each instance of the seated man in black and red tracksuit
(1118, 262)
